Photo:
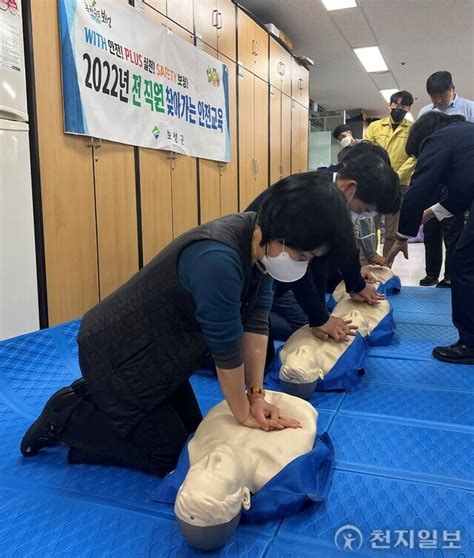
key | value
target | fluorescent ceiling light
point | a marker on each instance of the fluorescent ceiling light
(387, 93)
(331, 5)
(371, 58)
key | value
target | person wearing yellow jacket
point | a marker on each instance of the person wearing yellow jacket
(391, 133)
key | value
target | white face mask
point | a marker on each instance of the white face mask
(346, 141)
(364, 215)
(284, 268)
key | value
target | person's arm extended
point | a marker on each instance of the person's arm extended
(252, 411)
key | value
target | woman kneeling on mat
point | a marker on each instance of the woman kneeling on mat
(208, 291)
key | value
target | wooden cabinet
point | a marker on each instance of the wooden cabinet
(159, 17)
(181, 12)
(280, 67)
(169, 198)
(116, 210)
(285, 135)
(156, 201)
(215, 25)
(253, 137)
(253, 46)
(280, 135)
(300, 83)
(299, 138)
(184, 193)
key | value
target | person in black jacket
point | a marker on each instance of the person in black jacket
(368, 184)
(209, 291)
(444, 145)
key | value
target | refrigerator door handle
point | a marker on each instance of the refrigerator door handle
(9, 113)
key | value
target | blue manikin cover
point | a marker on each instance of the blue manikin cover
(303, 481)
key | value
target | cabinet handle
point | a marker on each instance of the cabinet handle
(300, 84)
(281, 68)
(254, 49)
(214, 18)
(256, 44)
(284, 68)
(219, 20)
(257, 166)
(281, 171)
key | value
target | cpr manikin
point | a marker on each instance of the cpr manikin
(306, 359)
(230, 462)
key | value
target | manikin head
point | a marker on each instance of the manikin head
(210, 500)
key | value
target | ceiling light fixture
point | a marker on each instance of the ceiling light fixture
(387, 93)
(371, 58)
(332, 5)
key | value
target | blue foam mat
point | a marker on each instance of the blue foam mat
(404, 443)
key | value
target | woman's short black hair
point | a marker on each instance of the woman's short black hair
(428, 124)
(307, 211)
(377, 182)
(364, 147)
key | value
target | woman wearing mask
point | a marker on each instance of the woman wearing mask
(210, 290)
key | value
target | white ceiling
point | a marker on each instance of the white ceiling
(416, 38)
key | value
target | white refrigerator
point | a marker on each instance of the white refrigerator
(19, 311)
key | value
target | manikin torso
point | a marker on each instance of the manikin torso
(229, 461)
(306, 359)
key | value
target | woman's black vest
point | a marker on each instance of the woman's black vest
(140, 343)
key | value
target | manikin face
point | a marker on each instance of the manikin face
(303, 363)
(213, 487)
(442, 101)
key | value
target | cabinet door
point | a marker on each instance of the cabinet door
(295, 83)
(246, 116)
(304, 86)
(184, 193)
(286, 71)
(159, 5)
(226, 29)
(67, 184)
(228, 171)
(156, 201)
(304, 131)
(209, 190)
(276, 68)
(247, 42)
(158, 17)
(206, 21)
(262, 55)
(116, 208)
(295, 138)
(275, 135)
(280, 67)
(285, 135)
(181, 12)
(261, 135)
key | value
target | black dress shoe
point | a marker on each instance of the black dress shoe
(456, 354)
(444, 284)
(47, 428)
(428, 281)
